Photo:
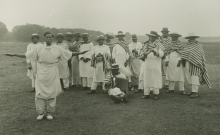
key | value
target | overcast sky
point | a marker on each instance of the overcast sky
(135, 16)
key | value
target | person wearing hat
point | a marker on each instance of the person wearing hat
(31, 65)
(134, 61)
(174, 73)
(153, 53)
(194, 66)
(63, 68)
(120, 54)
(74, 47)
(47, 82)
(85, 69)
(100, 56)
(165, 40)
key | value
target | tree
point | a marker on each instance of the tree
(3, 29)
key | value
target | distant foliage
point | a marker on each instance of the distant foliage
(23, 32)
(3, 29)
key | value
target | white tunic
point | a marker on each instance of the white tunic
(47, 83)
(121, 56)
(31, 73)
(152, 72)
(85, 69)
(174, 73)
(63, 65)
(99, 75)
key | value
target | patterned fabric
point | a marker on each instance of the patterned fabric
(100, 58)
(193, 52)
(142, 50)
(75, 46)
(69, 43)
(151, 45)
(174, 45)
(166, 42)
(124, 45)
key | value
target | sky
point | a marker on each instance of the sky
(201, 17)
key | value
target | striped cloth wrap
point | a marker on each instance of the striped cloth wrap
(174, 46)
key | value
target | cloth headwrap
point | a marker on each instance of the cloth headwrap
(193, 52)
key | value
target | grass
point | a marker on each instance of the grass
(81, 114)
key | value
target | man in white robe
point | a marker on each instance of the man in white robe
(153, 53)
(85, 69)
(100, 56)
(31, 65)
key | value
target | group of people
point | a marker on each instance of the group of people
(118, 66)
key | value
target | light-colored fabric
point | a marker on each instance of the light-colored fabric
(47, 84)
(174, 73)
(172, 85)
(166, 43)
(116, 91)
(95, 84)
(121, 56)
(45, 105)
(191, 79)
(87, 82)
(63, 65)
(99, 73)
(66, 82)
(85, 69)
(141, 84)
(152, 72)
(147, 90)
(195, 88)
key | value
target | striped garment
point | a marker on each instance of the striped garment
(166, 42)
(193, 52)
(174, 45)
(124, 45)
(152, 45)
(74, 47)
(100, 58)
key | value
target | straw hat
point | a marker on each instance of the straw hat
(134, 36)
(85, 35)
(165, 29)
(174, 35)
(109, 35)
(191, 35)
(69, 34)
(120, 33)
(153, 34)
(100, 37)
(34, 35)
(115, 66)
(60, 35)
(77, 34)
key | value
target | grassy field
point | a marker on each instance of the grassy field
(81, 114)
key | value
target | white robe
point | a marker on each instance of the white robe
(85, 69)
(99, 75)
(152, 71)
(121, 56)
(47, 83)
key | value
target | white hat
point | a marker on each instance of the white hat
(191, 35)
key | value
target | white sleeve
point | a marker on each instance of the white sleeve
(28, 49)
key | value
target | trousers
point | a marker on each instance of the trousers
(45, 105)
(87, 82)
(172, 85)
(95, 84)
(155, 91)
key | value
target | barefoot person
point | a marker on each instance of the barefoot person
(47, 83)
(31, 65)
(63, 68)
(153, 53)
(193, 61)
(100, 56)
(174, 74)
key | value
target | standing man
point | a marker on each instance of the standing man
(108, 42)
(175, 74)
(74, 47)
(165, 40)
(31, 65)
(193, 61)
(100, 56)
(134, 61)
(153, 53)
(85, 69)
(120, 54)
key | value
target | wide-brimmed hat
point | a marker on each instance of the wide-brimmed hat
(165, 29)
(109, 35)
(69, 34)
(77, 34)
(85, 35)
(100, 37)
(134, 36)
(153, 34)
(34, 35)
(191, 35)
(115, 66)
(60, 35)
(120, 33)
(174, 35)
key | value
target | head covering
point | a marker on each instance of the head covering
(153, 34)
(77, 34)
(69, 34)
(85, 35)
(34, 35)
(115, 66)
(174, 35)
(100, 37)
(60, 35)
(109, 35)
(165, 29)
(191, 35)
(134, 36)
(120, 33)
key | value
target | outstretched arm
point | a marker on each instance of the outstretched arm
(21, 55)
(78, 53)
